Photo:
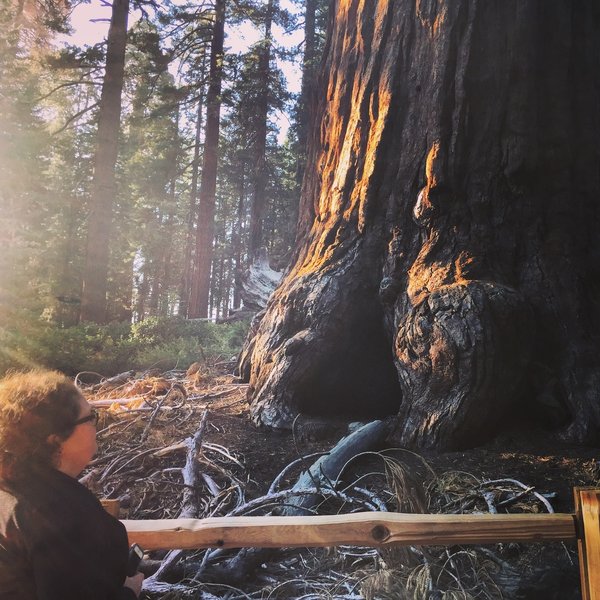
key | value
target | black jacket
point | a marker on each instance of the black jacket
(58, 543)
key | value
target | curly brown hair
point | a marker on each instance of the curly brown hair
(33, 406)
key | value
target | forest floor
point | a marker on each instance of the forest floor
(145, 420)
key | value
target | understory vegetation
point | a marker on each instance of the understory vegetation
(156, 342)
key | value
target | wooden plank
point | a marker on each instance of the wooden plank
(587, 505)
(360, 529)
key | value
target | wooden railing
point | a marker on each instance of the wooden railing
(377, 529)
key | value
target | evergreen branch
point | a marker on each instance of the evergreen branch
(64, 85)
(183, 44)
(75, 117)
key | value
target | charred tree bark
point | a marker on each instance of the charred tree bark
(95, 274)
(448, 262)
(206, 211)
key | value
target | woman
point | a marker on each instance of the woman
(56, 540)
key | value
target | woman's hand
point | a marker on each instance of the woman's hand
(135, 583)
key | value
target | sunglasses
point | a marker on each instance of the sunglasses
(91, 418)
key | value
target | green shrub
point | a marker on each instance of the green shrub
(157, 330)
(206, 339)
(109, 349)
(86, 347)
(173, 354)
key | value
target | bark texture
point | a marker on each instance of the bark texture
(259, 149)
(307, 90)
(205, 230)
(95, 275)
(448, 262)
(185, 284)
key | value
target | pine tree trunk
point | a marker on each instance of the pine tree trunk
(237, 241)
(185, 285)
(123, 291)
(93, 300)
(307, 89)
(169, 229)
(227, 286)
(259, 185)
(449, 254)
(68, 307)
(206, 213)
(218, 288)
(165, 280)
(155, 285)
(142, 295)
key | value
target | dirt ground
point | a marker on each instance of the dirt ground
(142, 415)
(536, 458)
(551, 466)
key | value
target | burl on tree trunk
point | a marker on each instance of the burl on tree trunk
(449, 250)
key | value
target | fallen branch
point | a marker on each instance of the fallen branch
(310, 489)
(520, 484)
(172, 448)
(106, 402)
(189, 504)
(275, 484)
(326, 470)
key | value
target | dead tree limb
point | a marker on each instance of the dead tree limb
(327, 469)
(318, 481)
(189, 504)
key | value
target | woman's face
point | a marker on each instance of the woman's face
(77, 450)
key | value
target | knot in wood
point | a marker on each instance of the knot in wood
(380, 533)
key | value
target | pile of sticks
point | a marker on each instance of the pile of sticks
(157, 460)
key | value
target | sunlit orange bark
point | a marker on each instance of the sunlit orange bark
(448, 225)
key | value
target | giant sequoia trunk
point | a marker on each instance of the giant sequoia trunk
(448, 259)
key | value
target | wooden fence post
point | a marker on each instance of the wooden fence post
(587, 509)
